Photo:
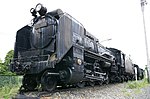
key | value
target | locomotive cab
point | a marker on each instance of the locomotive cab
(124, 64)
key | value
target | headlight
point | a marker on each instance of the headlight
(79, 61)
(38, 7)
(33, 12)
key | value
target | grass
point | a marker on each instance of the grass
(9, 91)
(137, 84)
(135, 87)
(9, 86)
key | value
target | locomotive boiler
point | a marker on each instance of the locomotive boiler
(56, 50)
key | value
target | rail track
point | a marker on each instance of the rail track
(70, 91)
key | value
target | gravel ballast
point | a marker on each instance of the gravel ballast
(111, 91)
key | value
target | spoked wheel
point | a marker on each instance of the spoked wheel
(29, 82)
(81, 84)
(91, 83)
(48, 82)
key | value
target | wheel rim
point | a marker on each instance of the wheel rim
(48, 82)
(29, 82)
(81, 84)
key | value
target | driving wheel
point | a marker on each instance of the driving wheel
(81, 84)
(91, 83)
(29, 82)
(48, 82)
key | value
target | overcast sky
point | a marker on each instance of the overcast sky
(120, 20)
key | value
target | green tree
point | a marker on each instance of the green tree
(2, 67)
(4, 70)
(8, 57)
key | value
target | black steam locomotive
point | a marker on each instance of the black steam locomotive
(56, 50)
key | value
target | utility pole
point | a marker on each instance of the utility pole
(143, 3)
